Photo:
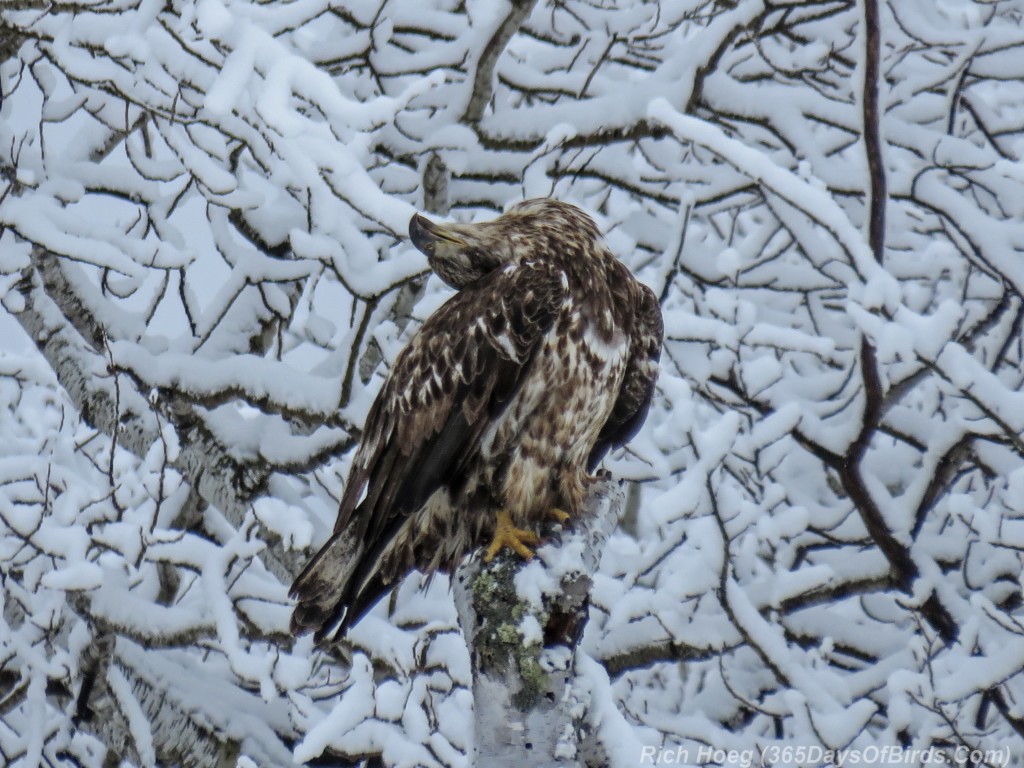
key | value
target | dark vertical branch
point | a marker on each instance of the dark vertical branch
(483, 79)
(872, 129)
(902, 564)
(849, 469)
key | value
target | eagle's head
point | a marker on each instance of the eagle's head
(462, 253)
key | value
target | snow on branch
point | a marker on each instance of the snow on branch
(123, 413)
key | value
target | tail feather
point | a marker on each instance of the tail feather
(322, 589)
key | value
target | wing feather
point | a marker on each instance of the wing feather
(637, 390)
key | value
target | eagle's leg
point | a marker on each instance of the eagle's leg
(507, 535)
(560, 515)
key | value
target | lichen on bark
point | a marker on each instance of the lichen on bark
(501, 647)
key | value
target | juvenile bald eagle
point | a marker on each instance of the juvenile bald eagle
(493, 416)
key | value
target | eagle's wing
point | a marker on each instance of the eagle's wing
(637, 390)
(459, 371)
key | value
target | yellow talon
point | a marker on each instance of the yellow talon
(560, 515)
(507, 535)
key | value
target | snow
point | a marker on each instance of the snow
(198, 688)
(138, 723)
(80, 576)
(265, 379)
(531, 630)
(213, 20)
(290, 524)
(621, 742)
(353, 708)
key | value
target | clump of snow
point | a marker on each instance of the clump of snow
(531, 630)
(291, 524)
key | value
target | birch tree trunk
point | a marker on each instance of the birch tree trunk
(523, 623)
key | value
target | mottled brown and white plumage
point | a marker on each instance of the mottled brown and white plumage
(505, 400)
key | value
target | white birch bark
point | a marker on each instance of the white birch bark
(529, 706)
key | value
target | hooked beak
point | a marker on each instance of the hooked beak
(425, 234)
